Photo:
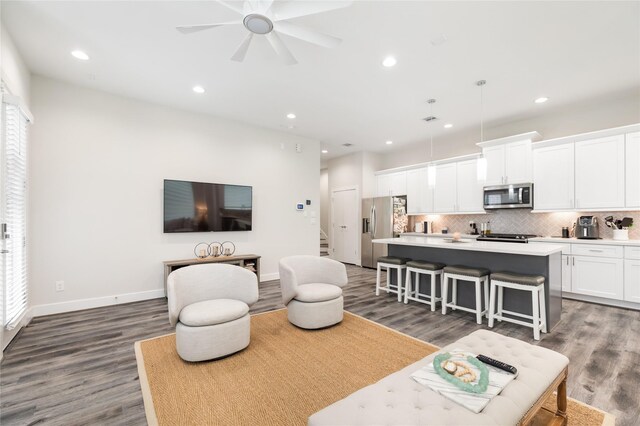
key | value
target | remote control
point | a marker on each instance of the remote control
(498, 364)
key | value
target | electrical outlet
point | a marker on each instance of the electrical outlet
(59, 285)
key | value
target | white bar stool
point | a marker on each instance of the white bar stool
(391, 263)
(433, 270)
(478, 276)
(531, 283)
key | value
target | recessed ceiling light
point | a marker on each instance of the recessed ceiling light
(324, 151)
(541, 100)
(79, 54)
(448, 126)
(389, 142)
(198, 89)
(291, 116)
(389, 61)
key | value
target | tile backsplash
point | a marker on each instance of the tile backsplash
(518, 221)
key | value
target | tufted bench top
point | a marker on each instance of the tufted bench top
(399, 400)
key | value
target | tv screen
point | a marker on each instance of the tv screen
(206, 207)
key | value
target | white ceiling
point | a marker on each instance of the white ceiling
(568, 51)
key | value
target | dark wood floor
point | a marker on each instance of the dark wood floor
(79, 368)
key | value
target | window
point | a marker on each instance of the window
(13, 210)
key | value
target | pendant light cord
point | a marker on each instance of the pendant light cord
(481, 83)
(431, 102)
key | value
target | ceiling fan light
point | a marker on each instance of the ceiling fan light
(258, 24)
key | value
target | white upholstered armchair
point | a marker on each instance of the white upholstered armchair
(209, 305)
(312, 290)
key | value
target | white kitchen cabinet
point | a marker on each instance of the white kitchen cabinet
(597, 276)
(632, 170)
(419, 194)
(566, 273)
(632, 280)
(495, 158)
(508, 163)
(469, 190)
(553, 178)
(445, 190)
(399, 183)
(391, 184)
(518, 162)
(383, 185)
(599, 173)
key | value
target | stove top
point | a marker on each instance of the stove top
(508, 238)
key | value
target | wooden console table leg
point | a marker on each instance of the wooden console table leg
(562, 401)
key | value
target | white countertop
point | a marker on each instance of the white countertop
(539, 249)
(603, 241)
(437, 235)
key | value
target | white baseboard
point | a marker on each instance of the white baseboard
(269, 277)
(98, 302)
(78, 305)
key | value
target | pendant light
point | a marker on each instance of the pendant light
(431, 168)
(482, 161)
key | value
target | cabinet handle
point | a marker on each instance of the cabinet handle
(573, 261)
(567, 260)
(596, 250)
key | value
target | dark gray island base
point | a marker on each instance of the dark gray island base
(518, 301)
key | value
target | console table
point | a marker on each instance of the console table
(244, 261)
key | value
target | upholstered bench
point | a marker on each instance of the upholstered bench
(399, 400)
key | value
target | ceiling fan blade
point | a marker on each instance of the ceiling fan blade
(294, 9)
(264, 5)
(280, 48)
(242, 49)
(231, 6)
(307, 34)
(188, 29)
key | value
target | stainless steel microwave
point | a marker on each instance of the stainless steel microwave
(517, 196)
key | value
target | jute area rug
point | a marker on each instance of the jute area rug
(285, 375)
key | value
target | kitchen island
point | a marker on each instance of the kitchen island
(533, 259)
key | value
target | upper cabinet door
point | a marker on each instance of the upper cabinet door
(419, 194)
(399, 183)
(383, 187)
(469, 189)
(632, 170)
(495, 156)
(517, 162)
(599, 168)
(553, 177)
(444, 192)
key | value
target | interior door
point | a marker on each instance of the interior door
(345, 221)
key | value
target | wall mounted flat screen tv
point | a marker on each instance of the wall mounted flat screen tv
(206, 207)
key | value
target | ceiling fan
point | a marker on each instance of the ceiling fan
(270, 18)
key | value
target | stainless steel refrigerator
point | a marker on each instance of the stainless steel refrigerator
(382, 217)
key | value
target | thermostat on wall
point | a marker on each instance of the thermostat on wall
(299, 206)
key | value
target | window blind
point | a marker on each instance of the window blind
(14, 204)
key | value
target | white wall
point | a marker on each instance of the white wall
(552, 122)
(14, 72)
(97, 167)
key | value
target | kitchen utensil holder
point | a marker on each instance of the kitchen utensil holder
(621, 234)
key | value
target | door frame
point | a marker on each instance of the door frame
(358, 207)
